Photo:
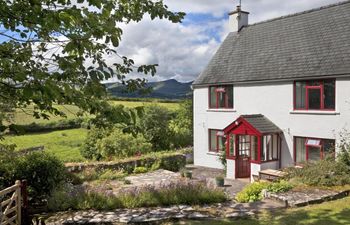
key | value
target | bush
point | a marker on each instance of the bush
(252, 192)
(155, 126)
(140, 170)
(42, 171)
(120, 145)
(173, 194)
(281, 186)
(89, 149)
(326, 172)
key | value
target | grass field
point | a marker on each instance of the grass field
(330, 213)
(63, 144)
(25, 116)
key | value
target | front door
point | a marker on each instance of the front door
(243, 156)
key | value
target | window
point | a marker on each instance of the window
(217, 141)
(270, 147)
(221, 97)
(313, 149)
(314, 95)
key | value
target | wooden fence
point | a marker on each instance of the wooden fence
(13, 202)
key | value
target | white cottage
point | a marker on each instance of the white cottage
(276, 93)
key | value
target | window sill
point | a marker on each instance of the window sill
(214, 153)
(221, 110)
(314, 112)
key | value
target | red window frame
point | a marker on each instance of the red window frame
(321, 145)
(217, 135)
(217, 90)
(310, 87)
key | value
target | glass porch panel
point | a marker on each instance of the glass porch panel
(232, 150)
(314, 98)
(244, 145)
(255, 149)
(314, 153)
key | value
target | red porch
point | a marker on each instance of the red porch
(252, 139)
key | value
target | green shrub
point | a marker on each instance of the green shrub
(89, 149)
(174, 164)
(109, 174)
(155, 126)
(42, 171)
(120, 145)
(326, 172)
(252, 192)
(140, 169)
(173, 194)
(278, 187)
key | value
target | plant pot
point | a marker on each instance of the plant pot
(220, 181)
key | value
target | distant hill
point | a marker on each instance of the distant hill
(168, 89)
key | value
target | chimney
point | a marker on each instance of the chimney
(238, 19)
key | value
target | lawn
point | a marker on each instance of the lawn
(330, 213)
(131, 104)
(63, 144)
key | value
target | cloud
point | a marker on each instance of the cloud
(183, 50)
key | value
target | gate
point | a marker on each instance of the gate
(11, 204)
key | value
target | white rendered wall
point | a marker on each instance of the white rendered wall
(230, 170)
(254, 170)
(275, 101)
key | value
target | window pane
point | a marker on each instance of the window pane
(269, 146)
(212, 97)
(222, 141)
(213, 144)
(314, 153)
(229, 92)
(300, 150)
(264, 149)
(255, 150)
(329, 94)
(232, 145)
(315, 142)
(300, 95)
(314, 98)
(328, 148)
(222, 99)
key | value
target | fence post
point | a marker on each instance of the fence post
(18, 202)
(24, 191)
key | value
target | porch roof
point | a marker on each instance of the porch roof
(258, 122)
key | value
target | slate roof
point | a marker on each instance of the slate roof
(262, 124)
(314, 43)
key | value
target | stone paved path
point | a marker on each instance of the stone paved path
(159, 177)
(227, 210)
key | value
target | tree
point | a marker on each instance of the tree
(155, 126)
(54, 51)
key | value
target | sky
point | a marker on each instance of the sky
(183, 50)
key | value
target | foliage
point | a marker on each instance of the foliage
(42, 171)
(140, 169)
(120, 145)
(51, 126)
(344, 147)
(55, 51)
(155, 126)
(173, 194)
(65, 145)
(326, 172)
(252, 192)
(89, 149)
(181, 126)
(281, 186)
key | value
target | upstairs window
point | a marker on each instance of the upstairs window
(221, 97)
(314, 95)
(217, 141)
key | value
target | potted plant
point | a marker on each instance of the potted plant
(220, 181)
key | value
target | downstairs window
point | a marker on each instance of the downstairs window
(313, 149)
(217, 141)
